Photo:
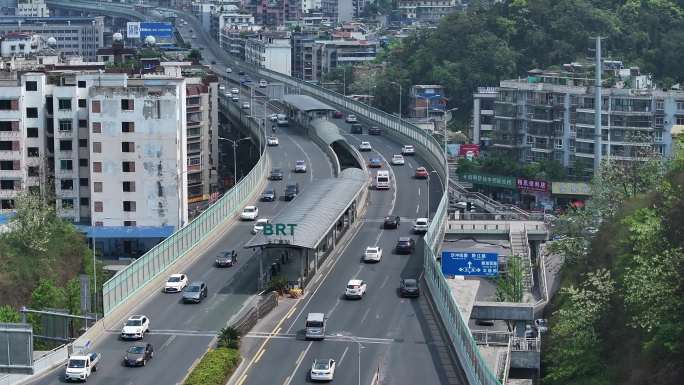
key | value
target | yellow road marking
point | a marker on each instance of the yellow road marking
(258, 356)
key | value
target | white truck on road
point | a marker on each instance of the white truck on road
(80, 367)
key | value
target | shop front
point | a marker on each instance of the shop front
(568, 195)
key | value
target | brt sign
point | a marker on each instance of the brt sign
(279, 229)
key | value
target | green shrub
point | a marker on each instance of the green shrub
(277, 283)
(215, 367)
(229, 337)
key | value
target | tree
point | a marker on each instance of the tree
(9, 315)
(195, 56)
(229, 337)
(509, 286)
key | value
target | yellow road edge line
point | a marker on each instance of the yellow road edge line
(242, 379)
(258, 356)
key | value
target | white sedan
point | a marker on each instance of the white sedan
(176, 283)
(350, 118)
(323, 370)
(365, 146)
(245, 105)
(234, 91)
(259, 225)
(408, 149)
(372, 254)
(272, 141)
(273, 117)
(397, 159)
(356, 288)
(300, 166)
(249, 213)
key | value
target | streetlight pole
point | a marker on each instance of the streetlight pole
(399, 84)
(234, 142)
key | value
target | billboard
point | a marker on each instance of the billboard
(16, 348)
(136, 30)
(464, 148)
(489, 180)
(470, 263)
(570, 188)
(532, 185)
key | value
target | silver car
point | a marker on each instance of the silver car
(195, 292)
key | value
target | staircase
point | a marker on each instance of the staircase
(520, 247)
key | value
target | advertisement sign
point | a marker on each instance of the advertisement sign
(133, 30)
(533, 185)
(570, 188)
(158, 30)
(489, 180)
(464, 148)
(471, 264)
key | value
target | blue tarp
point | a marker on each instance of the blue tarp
(102, 232)
(4, 218)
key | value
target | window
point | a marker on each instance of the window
(66, 164)
(65, 145)
(82, 123)
(83, 143)
(127, 127)
(9, 104)
(128, 166)
(83, 182)
(6, 204)
(97, 186)
(97, 147)
(97, 166)
(99, 224)
(31, 112)
(85, 201)
(32, 132)
(9, 126)
(95, 106)
(66, 184)
(658, 136)
(81, 84)
(558, 143)
(67, 204)
(48, 104)
(82, 103)
(129, 223)
(31, 85)
(98, 207)
(64, 104)
(128, 186)
(7, 184)
(127, 147)
(33, 171)
(97, 128)
(65, 125)
(127, 104)
(679, 120)
(129, 206)
(83, 162)
(7, 165)
(33, 152)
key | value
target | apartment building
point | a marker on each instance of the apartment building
(337, 53)
(270, 50)
(32, 8)
(427, 11)
(483, 115)
(274, 13)
(303, 45)
(550, 115)
(74, 36)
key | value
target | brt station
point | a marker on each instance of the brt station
(305, 233)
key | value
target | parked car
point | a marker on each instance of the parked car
(300, 166)
(374, 162)
(175, 283)
(291, 191)
(351, 118)
(195, 292)
(323, 370)
(421, 173)
(408, 149)
(408, 287)
(374, 130)
(391, 222)
(398, 160)
(356, 288)
(135, 327)
(138, 355)
(269, 195)
(372, 254)
(249, 213)
(365, 146)
(405, 245)
(420, 226)
(356, 128)
(276, 174)
(226, 259)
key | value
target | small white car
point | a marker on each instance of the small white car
(350, 118)
(236, 98)
(135, 327)
(263, 84)
(365, 146)
(273, 117)
(176, 283)
(245, 106)
(249, 213)
(408, 149)
(421, 225)
(397, 159)
(222, 87)
(323, 370)
(372, 254)
(272, 141)
(300, 166)
(234, 91)
(259, 225)
(229, 70)
(356, 288)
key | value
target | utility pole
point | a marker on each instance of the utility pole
(598, 107)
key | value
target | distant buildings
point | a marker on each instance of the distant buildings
(270, 50)
(427, 101)
(32, 8)
(427, 11)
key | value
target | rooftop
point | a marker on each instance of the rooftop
(306, 103)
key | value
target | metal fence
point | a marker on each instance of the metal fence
(264, 304)
(136, 275)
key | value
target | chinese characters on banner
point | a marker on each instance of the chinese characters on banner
(532, 185)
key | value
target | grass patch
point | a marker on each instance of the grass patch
(215, 367)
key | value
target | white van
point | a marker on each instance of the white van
(315, 326)
(281, 120)
(382, 180)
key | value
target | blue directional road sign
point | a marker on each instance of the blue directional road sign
(469, 263)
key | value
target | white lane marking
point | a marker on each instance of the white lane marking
(344, 353)
(418, 191)
(384, 281)
(410, 165)
(365, 314)
(299, 362)
(167, 342)
(337, 303)
(417, 208)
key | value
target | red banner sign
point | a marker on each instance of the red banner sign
(464, 148)
(532, 185)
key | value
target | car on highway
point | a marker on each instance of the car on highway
(323, 370)
(241, 72)
(398, 160)
(245, 105)
(372, 254)
(276, 174)
(259, 225)
(269, 195)
(195, 292)
(273, 117)
(408, 149)
(374, 130)
(300, 166)
(272, 141)
(421, 173)
(374, 162)
(350, 118)
(314, 329)
(234, 91)
(81, 366)
(408, 287)
(420, 226)
(356, 288)
(138, 355)
(194, 37)
(235, 98)
(291, 191)
(135, 327)
(263, 83)
(281, 120)
(222, 87)
(356, 128)
(213, 62)
(226, 259)
(229, 70)
(405, 245)
(365, 146)
(249, 213)
(391, 222)
(175, 283)
(338, 115)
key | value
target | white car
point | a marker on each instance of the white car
(259, 225)
(372, 254)
(236, 98)
(272, 141)
(408, 149)
(245, 106)
(365, 146)
(421, 225)
(397, 159)
(356, 288)
(229, 70)
(176, 283)
(249, 213)
(350, 118)
(222, 87)
(273, 117)
(300, 166)
(135, 327)
(234, 91)
(263, 84)
(323, 370)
